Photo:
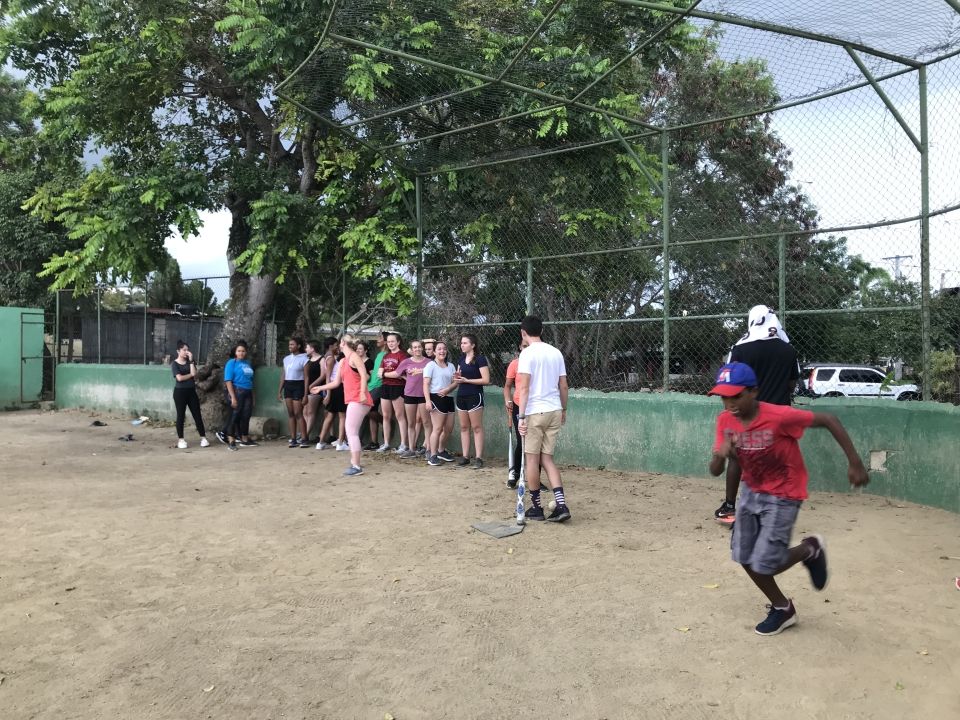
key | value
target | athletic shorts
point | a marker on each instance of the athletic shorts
(336, 404)
(414, 400)
(391, 392)
(761, 533)
(375, 395)
(542, 431)
(469, 403)
(441, 404)
(293, 389)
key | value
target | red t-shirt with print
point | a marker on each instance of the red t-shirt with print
(390, 363)
(767, 449)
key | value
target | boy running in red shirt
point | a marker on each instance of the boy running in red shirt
(764, 439)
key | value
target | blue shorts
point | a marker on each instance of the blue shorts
(761, 534)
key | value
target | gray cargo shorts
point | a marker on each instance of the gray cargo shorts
(761, 534)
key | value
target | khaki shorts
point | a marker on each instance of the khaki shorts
(542, 431)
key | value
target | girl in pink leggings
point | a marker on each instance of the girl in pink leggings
(353, 376)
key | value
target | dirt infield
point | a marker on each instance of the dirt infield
(139, 581)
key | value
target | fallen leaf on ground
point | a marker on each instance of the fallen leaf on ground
(209, 689)
(683, 629)
(712, 586)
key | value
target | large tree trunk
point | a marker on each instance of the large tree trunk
(251, 297)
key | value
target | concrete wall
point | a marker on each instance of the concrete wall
(21, 336)
(916, 446)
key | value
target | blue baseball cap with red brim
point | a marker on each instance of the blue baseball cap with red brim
(733, 378)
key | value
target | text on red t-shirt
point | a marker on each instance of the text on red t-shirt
(767, 449)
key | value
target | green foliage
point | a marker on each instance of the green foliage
(945, 375)
(177, 100)
(25, 241)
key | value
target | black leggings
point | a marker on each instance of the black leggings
(518, 448)
(184, 398)
(238, 424)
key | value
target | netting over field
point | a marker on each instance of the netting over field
(642, 173)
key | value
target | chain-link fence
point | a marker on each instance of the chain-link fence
(641, 173)
(858, 256)
(142, 324)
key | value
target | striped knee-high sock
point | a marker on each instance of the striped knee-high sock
(558, 495)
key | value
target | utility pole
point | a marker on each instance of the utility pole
(896, 264)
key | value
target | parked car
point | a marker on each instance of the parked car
(837, 380)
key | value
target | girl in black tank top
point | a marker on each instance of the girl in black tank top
(312, 374)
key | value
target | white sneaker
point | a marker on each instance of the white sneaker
(323, 446)
(204, 442)
(342, 446)
(402, 449)
(182, 444)
(383, 448)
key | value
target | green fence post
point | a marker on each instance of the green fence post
(200, 305)
(146, 302)
(56, 344)
(343, 301)
(782, 279)
(529, 286)
(419, 212)
(99, 349)
(665, 221)
(925, 234)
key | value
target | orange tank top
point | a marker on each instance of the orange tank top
(350, 378)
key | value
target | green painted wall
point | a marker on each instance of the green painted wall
(21, 335)
(649, 432)
(146, 390)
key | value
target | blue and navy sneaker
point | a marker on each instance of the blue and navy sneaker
(778, 620)
(816, 564)
(353, 471)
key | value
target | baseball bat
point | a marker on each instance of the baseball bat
(521, 489)
(511, 456)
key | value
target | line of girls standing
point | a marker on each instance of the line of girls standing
(421, 392)
(307, 366)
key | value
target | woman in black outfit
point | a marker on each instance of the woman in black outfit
(185, 394)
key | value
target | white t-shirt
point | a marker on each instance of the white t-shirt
(293, 366)
(440, 377)
(545, 366)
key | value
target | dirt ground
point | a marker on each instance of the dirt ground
(139, 581)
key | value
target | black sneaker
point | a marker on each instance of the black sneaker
(370, 446)
(248, 443)
(433, 460)
(726, 514)
(463, 462)
(294, 443)
(232, 446)
(561, 513)
(478, 464)
(445, 456)
(816, 564)
(512, 483)
(221, 437)
(305, 444)
(778, 620)
(534, 513)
